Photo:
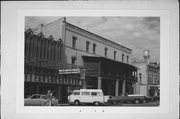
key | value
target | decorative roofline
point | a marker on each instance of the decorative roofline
(41, 35)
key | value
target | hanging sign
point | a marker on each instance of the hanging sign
(69, 71)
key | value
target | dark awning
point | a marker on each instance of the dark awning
(52, 65)
(103, 59)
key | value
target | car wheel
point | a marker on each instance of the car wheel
(115, 102)
(136, 101)
(76, 102)
(144, 101)
(96, 103)
(45, 103)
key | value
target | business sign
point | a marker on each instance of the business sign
(69, 71)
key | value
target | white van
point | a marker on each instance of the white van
(94, 96)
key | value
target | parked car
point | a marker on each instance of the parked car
(91, 96)
(38, 100)
(155, 98)
(133, 98)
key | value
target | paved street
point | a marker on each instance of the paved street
(125, 105)
(143, 104)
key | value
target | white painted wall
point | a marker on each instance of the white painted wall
(81, 48)
(143, 89)
(58, 29)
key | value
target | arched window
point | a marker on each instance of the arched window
(26, 45)
(37, 48)
(54, 53)
(59, 52)
(42, 49)
(52, 50)
(49, 51)
(45, 48)
(31, 46)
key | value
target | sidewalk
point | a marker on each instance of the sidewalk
(63, 104)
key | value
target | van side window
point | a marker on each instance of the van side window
(94, 94)
(76, 93)
(85, 93)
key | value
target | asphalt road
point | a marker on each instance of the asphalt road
(143, 104)
(125, 105)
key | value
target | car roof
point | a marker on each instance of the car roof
(39, 94)
(88, 90)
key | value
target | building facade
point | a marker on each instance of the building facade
(42, 64)
(105, 65)
(148, 78)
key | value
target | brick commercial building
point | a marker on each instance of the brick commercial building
(148, 77)
(105, 64)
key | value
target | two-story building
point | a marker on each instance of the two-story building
(106, 64)
(42, 63)
(148, 78)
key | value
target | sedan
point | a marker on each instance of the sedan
(135, 98)
(38, 100)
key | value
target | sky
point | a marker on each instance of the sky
(136, 33)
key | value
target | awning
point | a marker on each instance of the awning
(53, 65)
(129, 66)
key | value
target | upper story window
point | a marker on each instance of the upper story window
(87, 46)
(94, 48)
(114, 55)
(122, 57)
(127, 59)
(73, 60)
(74, 42)
(105, 52)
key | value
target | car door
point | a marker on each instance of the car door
(123, 98)
(35, 100)
(42, 99)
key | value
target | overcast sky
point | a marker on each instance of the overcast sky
(137, 33)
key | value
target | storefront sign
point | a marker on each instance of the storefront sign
(69, 71)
